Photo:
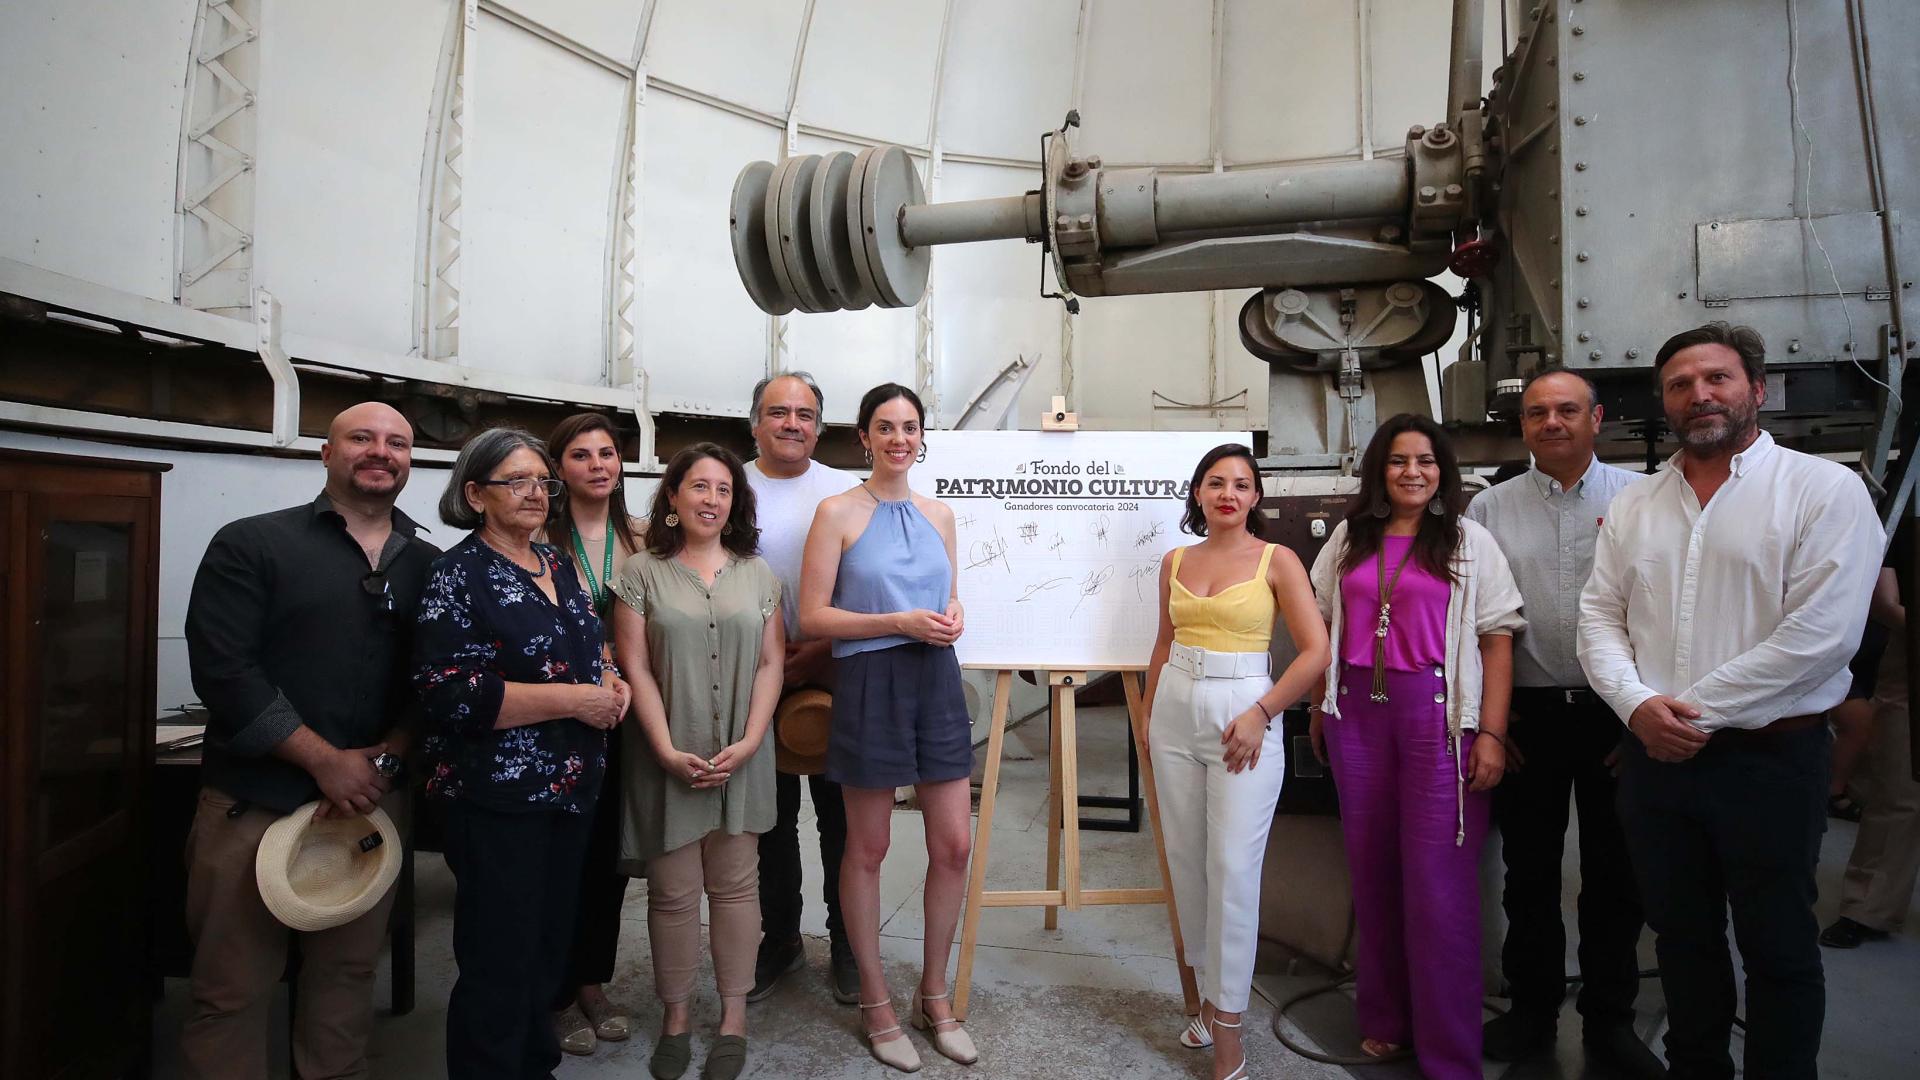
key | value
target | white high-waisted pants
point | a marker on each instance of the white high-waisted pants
(1214, 822)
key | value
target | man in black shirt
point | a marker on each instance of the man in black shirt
(298, 635)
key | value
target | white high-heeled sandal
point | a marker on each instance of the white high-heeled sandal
(1195, 1035)
(1239, 1072)
(951, 1042)
(898, 1053)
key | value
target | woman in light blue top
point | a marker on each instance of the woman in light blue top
(878, 579)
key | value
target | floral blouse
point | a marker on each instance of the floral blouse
(483, 623)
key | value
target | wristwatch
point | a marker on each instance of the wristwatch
(387, 765)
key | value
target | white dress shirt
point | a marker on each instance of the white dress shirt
(1747, 609)
(1547, 534)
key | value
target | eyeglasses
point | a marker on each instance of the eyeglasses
(375, 585)
(523, 486)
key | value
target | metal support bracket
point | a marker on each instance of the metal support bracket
(286, 380)
(648, 457)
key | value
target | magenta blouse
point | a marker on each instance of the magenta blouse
(1417, 640)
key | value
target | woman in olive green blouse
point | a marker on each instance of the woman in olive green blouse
(699, 631)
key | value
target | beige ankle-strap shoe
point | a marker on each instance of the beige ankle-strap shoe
(946, 1034)
(898, 1053)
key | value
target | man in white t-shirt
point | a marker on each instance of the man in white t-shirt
(787, 487)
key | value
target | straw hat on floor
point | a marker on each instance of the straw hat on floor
(317, 873)
(800, 727)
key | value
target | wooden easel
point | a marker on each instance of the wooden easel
(1063, 827)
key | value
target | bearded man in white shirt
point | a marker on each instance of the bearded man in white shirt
(1727, 595)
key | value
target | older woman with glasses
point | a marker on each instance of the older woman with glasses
(517, 709)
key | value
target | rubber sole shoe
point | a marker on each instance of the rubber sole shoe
(772, 966)
(1847, 934)
(843, 973)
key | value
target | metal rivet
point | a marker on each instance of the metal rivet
(1683, 296)
(1794, 345)
(1553, 148)
(1583, 256)
(1585, 336)
(1580, 121)
(1579, 166)
(1633, 354)
(1580, 211)
(1579, 30)
(1553, 238)
(1553, 283)
(1594, 355)
(1579, 76)
(1584, 302)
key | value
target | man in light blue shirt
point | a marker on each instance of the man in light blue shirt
(1562, 743)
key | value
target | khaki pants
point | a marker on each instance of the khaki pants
(240, 953)
(727, 869)
(1878, 887)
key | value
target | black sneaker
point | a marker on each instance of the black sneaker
(775, 962)
(1847, 934)
(1517, 1036)
(843, 974)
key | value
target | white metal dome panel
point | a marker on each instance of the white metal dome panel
(851, 352)
(1125, 348)
(988, 310)
(1008, 76)
(539, 163)
(1408, 46)
(701, 340)
(92, 136)
(344, 89)
(1290, 81)
(736, 50)
(1238, 369)
(608, 27)
(869, 68)
(1147, 81)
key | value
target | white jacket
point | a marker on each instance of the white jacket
(1484, 601)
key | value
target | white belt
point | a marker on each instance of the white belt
(1207, 664)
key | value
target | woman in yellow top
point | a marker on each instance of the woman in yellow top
(1218, 751)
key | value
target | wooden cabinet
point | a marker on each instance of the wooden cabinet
(79, 547)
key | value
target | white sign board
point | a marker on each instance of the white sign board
(1060, 536)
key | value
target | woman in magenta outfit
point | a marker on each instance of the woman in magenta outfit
(1422, 609)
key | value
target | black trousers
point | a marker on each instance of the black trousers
(603, 889)
(780, 901)
(1565, 746)
(517, 878)
(1736, 826)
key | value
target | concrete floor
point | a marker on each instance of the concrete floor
(1097, 998)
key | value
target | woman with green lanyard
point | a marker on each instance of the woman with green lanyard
(591, 526)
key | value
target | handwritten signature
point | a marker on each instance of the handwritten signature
(1029, 531)
(1040, 587)
(1091, 586)
(986, 552)
(1140, 573)
(1149, 536)
(1099, 528)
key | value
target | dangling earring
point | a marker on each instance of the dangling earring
(1437, 506)
(673, 520)
(1380, 508)
(869, 454)
(922, 455)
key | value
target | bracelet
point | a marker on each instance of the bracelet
(1498, 737)
(1262, 706)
